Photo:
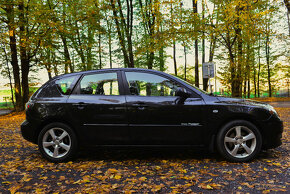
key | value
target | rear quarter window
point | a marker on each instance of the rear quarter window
(50, 90)
(58, 87)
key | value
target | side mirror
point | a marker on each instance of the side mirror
(182, 94)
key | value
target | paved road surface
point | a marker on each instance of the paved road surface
(285, 104)
(5, 111)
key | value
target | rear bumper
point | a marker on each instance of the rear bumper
(272, 130)
(28, 132)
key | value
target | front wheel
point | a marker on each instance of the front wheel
(239, 141)
(57, 142)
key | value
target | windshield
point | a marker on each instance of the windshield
(193, 86)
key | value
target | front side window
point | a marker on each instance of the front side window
(100, 84)
(146, 84)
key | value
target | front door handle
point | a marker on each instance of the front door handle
(141, 108)
(79, 105)
(140, 105)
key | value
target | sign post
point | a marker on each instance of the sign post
(208, 71)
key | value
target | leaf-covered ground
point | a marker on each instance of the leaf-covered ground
(22, 169)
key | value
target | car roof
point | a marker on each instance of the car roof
(109, 69)
(127, 69)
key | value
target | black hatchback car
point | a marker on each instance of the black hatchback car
(141, 107)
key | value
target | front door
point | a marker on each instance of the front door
(99, 109)
(154, 114)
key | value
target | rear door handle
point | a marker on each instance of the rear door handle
(79, 105)
(140, 104)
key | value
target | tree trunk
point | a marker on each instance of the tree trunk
(174, 58)
(161, 59)
(235, 88)
(68, 63)
(89, 48)
(67, 59)
(23, 53)
(14, 60)
(268, 64)
(196, 63)
(259, 68)
(196, 77)
(120, 33)
(185, 62)
(55, 69)
(150, 60)
(110, 44)
(204, 80)
(100, 51)
(161, 54)
(238, 77)
(247, 70)
(9, 76)
(129, 31)
(288, 18)
(249, 86)
(110, 51)
(78, 47)
(238, 80)
(255, 83)
(245, 88)
(48, 64)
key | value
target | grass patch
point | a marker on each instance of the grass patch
(7, 93)
(6, 105)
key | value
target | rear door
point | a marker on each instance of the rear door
(154, 114)
(98, 106)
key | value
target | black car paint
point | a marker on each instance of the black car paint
(146, 120)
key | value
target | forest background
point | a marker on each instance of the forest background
(248, 40)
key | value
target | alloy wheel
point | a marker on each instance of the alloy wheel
(56, 142)
(240, 142)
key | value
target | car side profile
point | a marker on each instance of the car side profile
(139, 107)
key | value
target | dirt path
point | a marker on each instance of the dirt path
(5, 111)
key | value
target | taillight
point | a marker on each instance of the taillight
(28, 105)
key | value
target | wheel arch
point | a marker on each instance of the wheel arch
(244, 117)
(53, 120)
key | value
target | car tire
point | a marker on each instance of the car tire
(239, 141)
(57, 142)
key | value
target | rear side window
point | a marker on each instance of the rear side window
(65, 84)
(100, 84)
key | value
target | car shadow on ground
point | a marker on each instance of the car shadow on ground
(152, 153)
(155, 153)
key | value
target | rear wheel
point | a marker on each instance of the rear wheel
(57, 142)
(239, 141)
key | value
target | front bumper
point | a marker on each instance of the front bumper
(28, 131)
(272, 130)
